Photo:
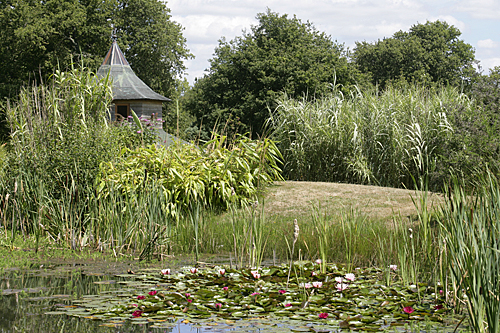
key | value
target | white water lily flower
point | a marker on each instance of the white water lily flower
(350, 276)
(317, 284)
(165, 271)
(342, 286)
(393, 267)
(339, 279)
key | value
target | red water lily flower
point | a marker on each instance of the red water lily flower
(137, 313)
(408, 309)
(438, 307)
(141, 297)
(225, 288)
(282, 291)
(153, 292)
(323, 315)
(287, 305)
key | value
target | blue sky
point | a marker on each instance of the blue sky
(347, 21)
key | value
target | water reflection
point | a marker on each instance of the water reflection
(25, 297)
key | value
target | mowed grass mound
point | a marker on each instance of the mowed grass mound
(294, 199)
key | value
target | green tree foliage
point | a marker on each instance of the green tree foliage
(428, 53)
(246, 75)
(38, 36)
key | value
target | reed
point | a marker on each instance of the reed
(370, 137)
(472, 237)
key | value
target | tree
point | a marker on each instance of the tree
(430, 52)
(246, 74)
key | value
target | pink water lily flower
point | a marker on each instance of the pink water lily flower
(188, 295)
(323, 315)
(218, 306)
(254, 294)
(318, 261)
(190, 300)
(393, 267)
(287, 305)
(408, 309)
(222, 272)
(193, 270)
(165, 271)
(350, 277)
(255, 274)
(225, 288)
(317, 284)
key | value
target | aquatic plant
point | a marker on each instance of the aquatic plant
(366, 305)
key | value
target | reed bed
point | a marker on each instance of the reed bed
(384, 138)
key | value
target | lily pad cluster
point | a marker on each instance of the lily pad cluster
(355, 300)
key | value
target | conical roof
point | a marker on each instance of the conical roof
(126, 85)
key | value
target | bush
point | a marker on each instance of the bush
(216, 174)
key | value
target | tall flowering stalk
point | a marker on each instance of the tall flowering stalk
(296, 231)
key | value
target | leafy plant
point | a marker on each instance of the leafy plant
(215, 174)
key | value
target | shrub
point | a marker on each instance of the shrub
(216, 174)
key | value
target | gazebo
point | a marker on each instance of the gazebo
(129, 92)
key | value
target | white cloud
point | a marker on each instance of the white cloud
(481, 9)
(488, 44)
(210, 28)
(489, 63)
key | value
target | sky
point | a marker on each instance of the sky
(205, 22)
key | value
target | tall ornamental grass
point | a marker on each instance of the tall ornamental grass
(60, 129)
(384, 138)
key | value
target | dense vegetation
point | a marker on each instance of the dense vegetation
(429, 53)
(69, 177)
(387, 138)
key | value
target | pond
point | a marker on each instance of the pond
(123, 297)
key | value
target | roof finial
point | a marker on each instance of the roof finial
(113, 34)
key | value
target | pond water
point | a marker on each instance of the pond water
(25, 297)
(61, 297)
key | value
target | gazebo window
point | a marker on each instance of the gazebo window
(122, 111)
